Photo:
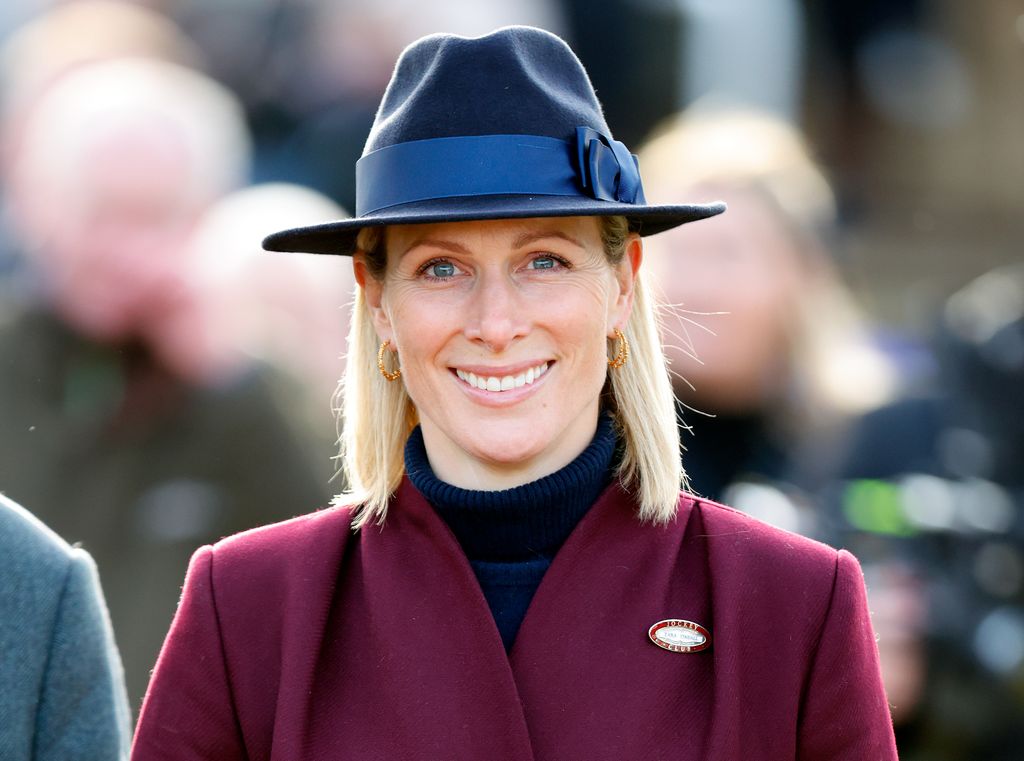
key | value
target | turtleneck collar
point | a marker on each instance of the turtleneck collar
(527, 521)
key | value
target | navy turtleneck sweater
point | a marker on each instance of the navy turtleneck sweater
(511, 536)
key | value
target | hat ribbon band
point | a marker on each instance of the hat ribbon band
(595, 166)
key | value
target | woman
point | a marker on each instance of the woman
(496, 266)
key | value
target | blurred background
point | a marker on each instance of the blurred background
(848, 340)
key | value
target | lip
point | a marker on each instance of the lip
(502, 398)
(500, 371)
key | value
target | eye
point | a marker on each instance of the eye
(546, 262)
(439, 269)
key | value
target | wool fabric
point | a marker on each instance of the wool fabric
(63, 693)
(305, 640)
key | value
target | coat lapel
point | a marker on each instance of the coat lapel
(417, 674)
(583, 654)
(413, 664)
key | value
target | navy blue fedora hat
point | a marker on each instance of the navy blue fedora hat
(496, 127)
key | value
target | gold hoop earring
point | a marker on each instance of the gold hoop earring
(389, 376)
(622, 354)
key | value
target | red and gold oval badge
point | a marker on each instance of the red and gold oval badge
(680, 636)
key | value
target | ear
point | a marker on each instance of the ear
(373, 294)
(626, 273)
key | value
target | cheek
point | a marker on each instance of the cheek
(420, 329)
(570, 300)
(578, 320)
(417, 315)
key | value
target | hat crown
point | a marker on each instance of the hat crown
(516, 80)
(503, 126)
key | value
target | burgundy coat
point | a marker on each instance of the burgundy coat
(304, 640)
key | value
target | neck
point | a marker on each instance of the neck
(524, 521)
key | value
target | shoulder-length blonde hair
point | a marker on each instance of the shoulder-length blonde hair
(377, 416)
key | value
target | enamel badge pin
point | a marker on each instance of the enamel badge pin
(680, 636)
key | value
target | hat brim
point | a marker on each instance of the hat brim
(339, 237)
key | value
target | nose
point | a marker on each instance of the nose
(496, 315)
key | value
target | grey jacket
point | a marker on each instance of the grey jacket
(62, 692)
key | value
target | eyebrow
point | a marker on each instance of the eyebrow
(437, 243)
(522, 240)
(532, 237)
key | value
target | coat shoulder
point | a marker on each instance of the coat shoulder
(765, 555)
(256, 587)
(35, 564)
(321, 534)
(42, 573)
(27, 546)
(780, 581)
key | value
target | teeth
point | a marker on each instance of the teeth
(505, 383)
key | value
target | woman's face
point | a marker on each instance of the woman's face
(501, 329)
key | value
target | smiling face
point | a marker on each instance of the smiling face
(501, 330)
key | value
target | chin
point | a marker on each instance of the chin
(508, 446)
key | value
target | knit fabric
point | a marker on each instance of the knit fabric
(511, 536)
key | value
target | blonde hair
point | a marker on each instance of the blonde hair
(712, 144)
(377, 416)
(736, 149)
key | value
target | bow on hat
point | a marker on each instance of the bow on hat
(608, 170)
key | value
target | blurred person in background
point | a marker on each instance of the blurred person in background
(292, 313)
(773, 363)
(130, 425)
(56, 40)
(938, 474)
(769, 352)
(63, 691)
